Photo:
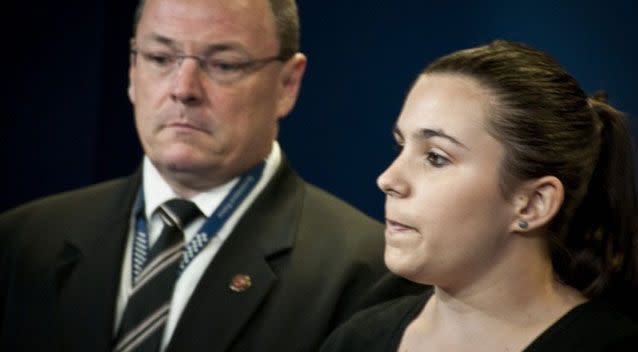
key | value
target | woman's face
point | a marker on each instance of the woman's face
(446, 218)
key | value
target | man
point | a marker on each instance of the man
(269, 263)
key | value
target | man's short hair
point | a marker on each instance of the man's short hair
(286, 23)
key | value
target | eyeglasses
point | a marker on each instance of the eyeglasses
(218, 70)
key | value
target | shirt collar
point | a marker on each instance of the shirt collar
(157, 191)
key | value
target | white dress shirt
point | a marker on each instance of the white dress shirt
(156, 192)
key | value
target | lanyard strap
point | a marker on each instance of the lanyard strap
(209, 229)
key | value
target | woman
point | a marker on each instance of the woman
(513, 195)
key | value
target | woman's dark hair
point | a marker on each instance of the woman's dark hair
(549, 126)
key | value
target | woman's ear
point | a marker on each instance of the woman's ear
(536, 203)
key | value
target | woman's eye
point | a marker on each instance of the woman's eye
(437, 160)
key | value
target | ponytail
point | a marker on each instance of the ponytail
(603, 236)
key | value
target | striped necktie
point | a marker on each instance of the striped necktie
(145, 315)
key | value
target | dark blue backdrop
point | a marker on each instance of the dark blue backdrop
(68, 122)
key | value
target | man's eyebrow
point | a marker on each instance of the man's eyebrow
(224, 47)
(427, 133)
(158, 38)
(209, 49)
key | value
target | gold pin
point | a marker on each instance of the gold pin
(240, 283)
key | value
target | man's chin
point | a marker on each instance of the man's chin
(191, 175)
(186, 165)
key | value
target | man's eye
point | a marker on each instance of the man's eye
(226, 66)
(160, 59)
(437, 160)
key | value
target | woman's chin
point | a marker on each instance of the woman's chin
(405, 265)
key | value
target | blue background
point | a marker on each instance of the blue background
(68, 122)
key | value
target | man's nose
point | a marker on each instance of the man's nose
(187, 88)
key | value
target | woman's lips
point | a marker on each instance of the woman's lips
(400, 235)
(395, 226)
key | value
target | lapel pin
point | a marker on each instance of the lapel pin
(240, 283)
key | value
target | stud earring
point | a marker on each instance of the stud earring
(522, 224)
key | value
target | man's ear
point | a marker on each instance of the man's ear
(290, 82)
(536, 203)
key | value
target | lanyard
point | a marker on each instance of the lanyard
(209, 229)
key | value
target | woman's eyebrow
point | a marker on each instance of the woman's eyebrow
(428, 133)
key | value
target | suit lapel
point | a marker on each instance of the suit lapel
(89, 267)
(215, 314)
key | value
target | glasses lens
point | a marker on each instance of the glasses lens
(227, 70)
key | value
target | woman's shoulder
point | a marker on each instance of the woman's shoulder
(591, 326)
(375, 328)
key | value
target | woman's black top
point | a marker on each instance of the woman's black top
(591, 326)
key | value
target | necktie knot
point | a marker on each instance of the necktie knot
(179, 212)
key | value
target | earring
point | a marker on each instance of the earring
(522, 224)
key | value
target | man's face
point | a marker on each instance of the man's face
(197, 131)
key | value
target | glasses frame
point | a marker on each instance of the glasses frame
(245, 67)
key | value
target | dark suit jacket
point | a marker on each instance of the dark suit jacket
(313, 261)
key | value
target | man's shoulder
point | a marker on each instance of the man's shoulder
(59, 206)
(316, 208)
(326, 207)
